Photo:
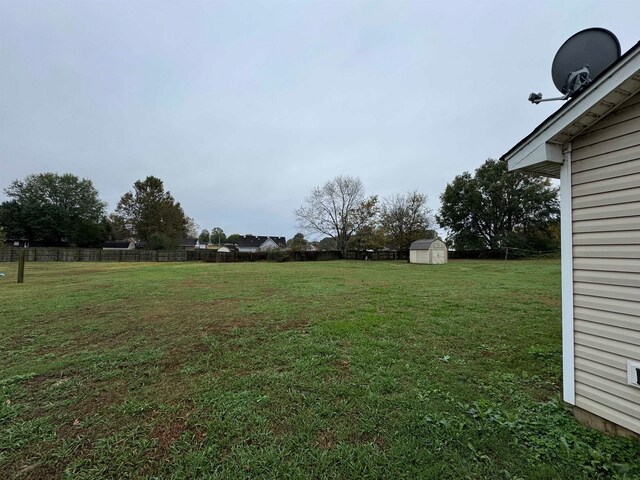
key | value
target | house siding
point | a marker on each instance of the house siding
(605, 193)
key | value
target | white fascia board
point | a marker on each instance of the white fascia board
(542, 152)
(566, 248)
(557, 123)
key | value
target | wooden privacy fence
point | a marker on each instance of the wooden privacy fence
(378, 255)
(61, 254)
(53, 254)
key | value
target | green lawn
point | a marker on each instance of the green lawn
(290, 370)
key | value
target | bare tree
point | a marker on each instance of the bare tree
(338, 209)
(192, 228)
(406, 218)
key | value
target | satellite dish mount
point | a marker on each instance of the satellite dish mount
(580, 60)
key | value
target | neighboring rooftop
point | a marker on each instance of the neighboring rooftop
(188, 242)
(252, 241)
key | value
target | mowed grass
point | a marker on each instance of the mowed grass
(291, 370)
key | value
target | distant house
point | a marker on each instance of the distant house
(17, 243)
(119, 245)
(188, 243)
(431, 251)
(251, 243)
(592, 143)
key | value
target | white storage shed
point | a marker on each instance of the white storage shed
(431, 251)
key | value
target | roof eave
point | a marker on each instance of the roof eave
(541, 152)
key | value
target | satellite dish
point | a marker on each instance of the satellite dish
(581, 59)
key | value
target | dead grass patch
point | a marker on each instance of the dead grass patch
(326, 439)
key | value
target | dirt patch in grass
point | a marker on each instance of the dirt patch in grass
(37, 471)
(40, 382)
(368, 438)
(326, 439)
(92, 398)
(280, 429)
(167, 433)
(297, 324)
(342, 366)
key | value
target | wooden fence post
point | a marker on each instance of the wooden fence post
(21, 255)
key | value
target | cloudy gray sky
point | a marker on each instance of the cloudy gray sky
(242, 107)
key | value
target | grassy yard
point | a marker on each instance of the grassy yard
(294, 370)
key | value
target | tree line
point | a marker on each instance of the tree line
(491, 209)
(56, 210)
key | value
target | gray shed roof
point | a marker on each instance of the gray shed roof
(422, 244)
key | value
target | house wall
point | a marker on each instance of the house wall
(268, 244)
(605, 196)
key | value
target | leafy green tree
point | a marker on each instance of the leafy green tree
(204, 236)
(161, 241)
(218, 236)
(11, 220)
(53, 209)
(297, 243)
(151, 215)
(484, 210)
(3, 237)
(369, 237)
(543, 239)
(116, 229)
(233, 238)
(406, 218)
(338, 209)
(328, 243)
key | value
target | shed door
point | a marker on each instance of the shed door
(437, 255)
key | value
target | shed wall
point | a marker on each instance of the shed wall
(419, 256)
(605, 180)
(436, 254)
(439, 253)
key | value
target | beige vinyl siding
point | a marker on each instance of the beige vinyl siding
(605, 183)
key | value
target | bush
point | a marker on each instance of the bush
(277, 255)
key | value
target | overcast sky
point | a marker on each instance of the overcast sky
(242, 107)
